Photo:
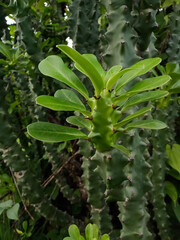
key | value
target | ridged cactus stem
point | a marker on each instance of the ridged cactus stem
(159, 141)
(95, 182)
(119, 40)
(133, 213)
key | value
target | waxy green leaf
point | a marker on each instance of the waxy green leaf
(92, 232)
(174, 156)
(113, 79)
(105, 237)
(93, 60)
(147, 124)
(144, 97)
(74, 232)
(53, 66)
(49, 132)
(86, 66)
(132, 116)
(145, 65)
(112, 72)
(150, 83)
(137, 69)
(121, 148)
(64, 100)
(80, 122)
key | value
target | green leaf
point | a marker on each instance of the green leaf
(150, 83)
(132, 116)
(176, 209)
(74, 232)
(171, 67)
(113, 79)
(171, 191)
(144, 97)
(168, 3)
(105, 237)
(87, 67)
(174, 156)
(121, 148)
(53, 66)
(49, 132)
(93, 60)
(145, 65)
(5, 50)
(12, 213)
(5, 205)
(137, 69)
(112, 72)
(64, 100)
(175, 88)
(80, 122)
(91, 231)
(147, 124)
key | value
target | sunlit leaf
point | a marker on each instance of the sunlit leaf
(112, 72)
(64, 100)
(147, 124)
(87, 67)
(53, 66)
(137, 69)
(91, 231)
(150, 83)
(144, 97)
(105, 237)
(79, 121)
(93, 60)
(49, 132)
(132, 116)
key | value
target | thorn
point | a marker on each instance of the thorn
(109, 157)
(123, 42)
(129, 178)
(132, 192)
(115, 130)
(109, 178)
(114, 107)
(97, 98)
(130, 159)
(89, 118)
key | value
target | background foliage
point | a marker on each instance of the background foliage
(57, 185)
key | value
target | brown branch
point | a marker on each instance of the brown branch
(57, 171)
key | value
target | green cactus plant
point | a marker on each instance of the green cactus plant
(107, 105)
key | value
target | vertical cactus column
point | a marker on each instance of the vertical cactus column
(83, 26)
(133, 213)
(173, 50)
(94, 176)
(158, 160)
(144, 15)
(120, 39)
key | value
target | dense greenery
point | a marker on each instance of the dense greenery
(47, 187)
